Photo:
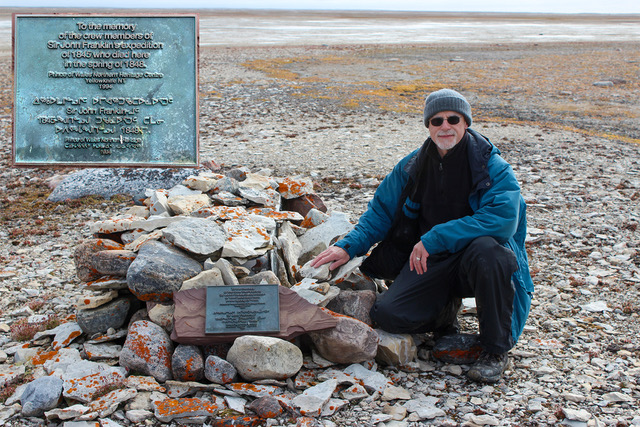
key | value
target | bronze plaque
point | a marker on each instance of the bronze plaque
(105, 90)
(242, 309)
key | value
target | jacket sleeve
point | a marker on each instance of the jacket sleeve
(496, 214)
(374, 224)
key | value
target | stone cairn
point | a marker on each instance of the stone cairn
(127, 363)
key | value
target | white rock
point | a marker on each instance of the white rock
(246, 239)
(312, 401)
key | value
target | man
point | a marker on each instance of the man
(463, 203)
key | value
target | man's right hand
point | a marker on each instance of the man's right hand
(337, 256)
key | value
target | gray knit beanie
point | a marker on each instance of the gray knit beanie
(446, 100)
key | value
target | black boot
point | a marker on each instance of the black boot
(489, 367)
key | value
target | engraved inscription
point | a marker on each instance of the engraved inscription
(242, 309)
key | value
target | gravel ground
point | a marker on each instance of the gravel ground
(344, 116)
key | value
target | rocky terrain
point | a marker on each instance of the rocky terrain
(566, 117)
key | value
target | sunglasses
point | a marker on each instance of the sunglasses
(438, 121)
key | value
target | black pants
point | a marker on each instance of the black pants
(415, 303)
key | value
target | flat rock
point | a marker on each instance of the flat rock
(219, 371)
(312, 400)
(99, 320)
(41, 395)
(148, 349)
(108, 182)
(187, 363)
(395, 349)
(159, 271)
(258, 357)
(246, 238)
(198, 236)
(351, 341)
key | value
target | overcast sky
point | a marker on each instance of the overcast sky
(544, 6)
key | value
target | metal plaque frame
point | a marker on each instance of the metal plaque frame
(105, 90)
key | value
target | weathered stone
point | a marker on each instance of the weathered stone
(85, 386)
(154, 222)
(326, 233)
(107, 282)
(228, 199)
(304, 204)
(83, 257)
(148, 350)
(321, 273)
(373, 381)
(143, 383)
(424, 408)
(205, 181)
(266, 407)
(219, 371)
(199, 236)
(68, 413)
(262, 278)
(41, 395)
(107, 182)
(113, 225)
(356, 304)
(239, 174)
(87, 302)
(187, 363)
(392, 392)
(65, 334)
(246, 238)
(355, 392)
(60, 363)
(291, 248)
(224, 213)
(159, 271)
(99, 320)
(317, 293)
(395, 349)
(162, 315)
(212, 277)
(102, 351)
(257, 181)
(184, 205)
(113, 262)
(258, 357)
(461, 349)
(351, 341)
(291, 188)
(105, 405)
(137, 211)
(277, 215)
(226, 184)
(266, 197)
(226, 270)
(157, 203)
(175, 409)
(313, 218)
(312, 400)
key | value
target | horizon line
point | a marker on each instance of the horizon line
(319, 10)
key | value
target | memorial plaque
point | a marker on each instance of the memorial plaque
(105, 90)
(242, 309)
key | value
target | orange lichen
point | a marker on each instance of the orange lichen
(42, 357)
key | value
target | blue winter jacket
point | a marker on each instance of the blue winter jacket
(498, 208)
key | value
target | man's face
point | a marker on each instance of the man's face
(447, 135)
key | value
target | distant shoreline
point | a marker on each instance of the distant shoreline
(270, 27)
(380, 14)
